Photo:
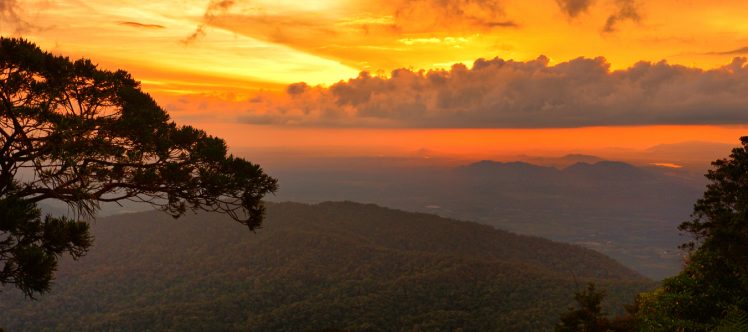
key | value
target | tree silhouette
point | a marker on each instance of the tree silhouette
(588, 316)
(712, 291)
(81, 135)
(720, 223)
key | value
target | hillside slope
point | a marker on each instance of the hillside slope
(344, 265)
(626, 212)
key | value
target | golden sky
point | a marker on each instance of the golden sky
(263, 43)
(228, 64)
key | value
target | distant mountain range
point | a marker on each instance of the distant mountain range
(560, 162)
(630, 213)
(333, 265)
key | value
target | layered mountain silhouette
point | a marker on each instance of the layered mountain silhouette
(622, 210)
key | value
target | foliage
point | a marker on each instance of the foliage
(736, 320)
(588, 316)
(31, 244)
(715, 280)
(347, 266)
(81, 135)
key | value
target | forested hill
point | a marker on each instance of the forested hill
(628, 212)
(343, 265)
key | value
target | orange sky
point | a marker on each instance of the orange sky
(206, 61)
(466, 144)
(260, 42)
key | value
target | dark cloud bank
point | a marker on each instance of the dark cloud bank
(508, 94)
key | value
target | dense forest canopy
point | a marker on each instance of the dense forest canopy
(333, 265)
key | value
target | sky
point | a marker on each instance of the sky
(478, 78)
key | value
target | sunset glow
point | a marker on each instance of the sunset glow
(226, 65)
(668, 165)
(392, 165)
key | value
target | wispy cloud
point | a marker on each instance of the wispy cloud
(737, 51)
(572, 8)
(214, 9)
(10, 15)
(415, 16)
(628, 10)
(141, 25)
(393, 17)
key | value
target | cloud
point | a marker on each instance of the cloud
(296, 88)
(738, 51)
(215, 8)
(391, 18)
(372, 35)
(503, 24)
(10, 13)
(572, 8)
(627, 10)
(141, 25)
(418, 16)
(508, 94)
